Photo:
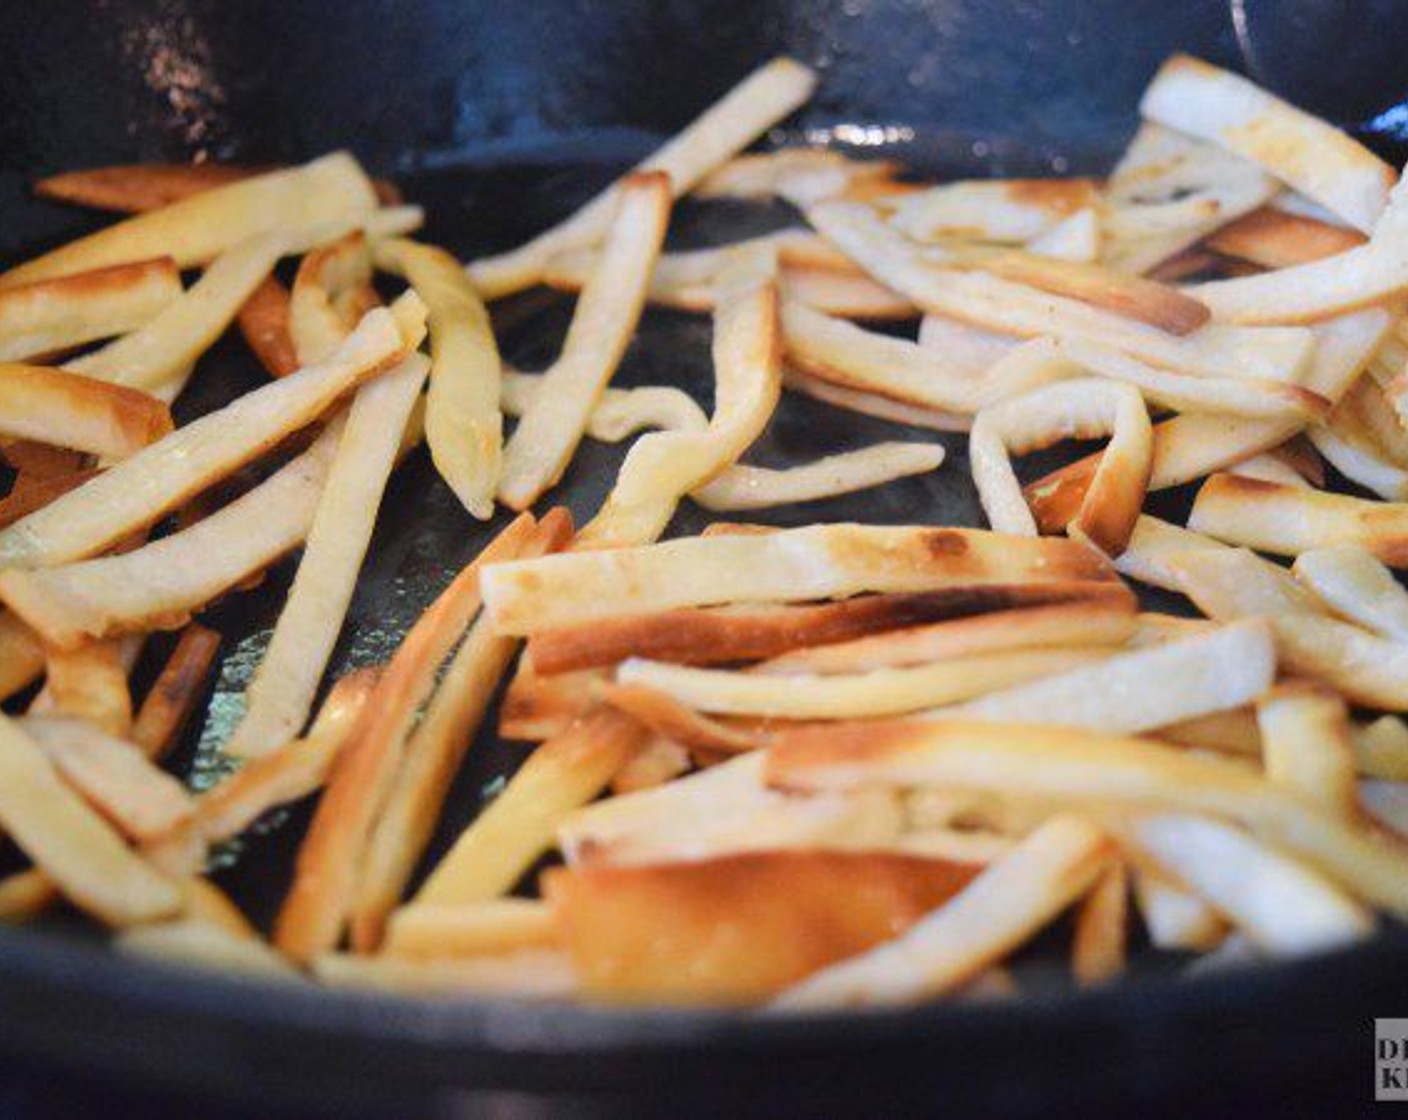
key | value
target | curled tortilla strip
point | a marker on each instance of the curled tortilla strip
(744, 487)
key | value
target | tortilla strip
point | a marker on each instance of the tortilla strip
(197, 229)
(602, 325)
(871, 404)
(176, 693)
(324, 888)
(1355, 586)
(744, 487)
(819, 172)
(67, 410)
(55, 315)
(661, 468)
(1268, 353)
(281, 693)
(331, 292)
(535, 708)
(1084, 769)
(463, 423)
(1306, 746)
(792, 565)
(672, 721)
(1001, 210)
(263, 320)
(1272, 238)
(723, 130)
(158, 585)
(1004, 906)
(139, 490)
(70, 843)
(1100, 943)
(1312, 156)
(21, 655)
(134, 188)
(24, 895)
(89, 682)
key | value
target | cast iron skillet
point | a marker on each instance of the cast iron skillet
(500, 118)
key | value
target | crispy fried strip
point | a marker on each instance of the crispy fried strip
(281, 694)
(90, 682)
(788, 172)
(661, 760)
(135, 188)
(1176, 920)
(515, 828)
(1273, 239)
(25, 895)
(871, 404)
(195, 230)
(668, 717)
(723, 130)
(1003, 210)
(1004, 906)
(113, 776)
(1283, 906)
(1354, 585)
(331, 292)
(499, 926)
(70, 843)
(1086, 769)
(1077, 409)
(620, 413)
(433, 753)
(1145, 689)
(791, 565)
(463, 422)
(78, 412)
(743, 487)
(263, 320)
(1100, 943)
(28, 495)
(537, 708)
(1270, 353)
(661, 468)
(605, 319)
(158, 585)
(1289, 520)
(49, 316)
(139, 490)
(1306, 746)
(1077, 238)
(21, 655)
(176, 692)
(1310, 155)
(315, 912)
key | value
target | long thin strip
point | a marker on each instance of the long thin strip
(54, 315)
(1005, 905)
(1100, 942)
(138, 187)
(816, 562)
(1309, 154)
(84, 857)
(158, 585)
(503, 925)
(520, 824)
(21, 655)
(78, 412)
(722, 131)
(137, 491)
(177, 691)
(316, 909)
(196, 230)
(1272, 238)
(661, 468)
(280, 696)
(602, 325)
(463, 424)
(743, 487)
(263, 320)
(1307, 748)
(90, 682)
(1085, 769)
(1354, 585)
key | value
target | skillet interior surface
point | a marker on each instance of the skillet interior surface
(500, 119)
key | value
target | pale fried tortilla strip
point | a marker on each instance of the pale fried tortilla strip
(737, 928)
(872, 404)
(324, 888)
(463, 422)
(1153, 547)
(537, 707)
(70, 843)
(89, 682)
(1079, 409)
(721, 811)
(1272, 238)
(519, 825)
(969, 350)
(29, 495)
(1104, 620)
(1101, 940)
(791, 565)
(999, 910)
(1077, 238)
(1145, 689)
(878, 692)
(281, 694)
(78, 412)
(113, 776)
(139, 490)
(1001, 210)
(501, 925)
(1231, 583)
(743, 487)
(54, 315)
(1270, 353)
(662, 467)
(21, 655)
(417, 791)
(1289, 520)
(1093, 771)
(1176, 920)
(1354, 585)
(605, 319)
(620, 413)
(158, 585)
(331, 292)
(135, 188)
(1306, 746)
(177, 691)
(263, 320)
(196, 230)
(674, 721)
(1283, 906)
(661, 760)
(722, 131)
(790, 172)
(1357, 458)
(1301, 150)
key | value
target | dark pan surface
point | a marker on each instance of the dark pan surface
(500, 119)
